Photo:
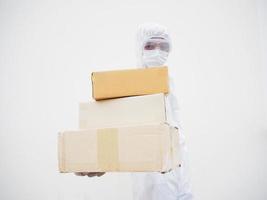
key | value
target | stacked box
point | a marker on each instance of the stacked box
(131, 82)
(125, 134)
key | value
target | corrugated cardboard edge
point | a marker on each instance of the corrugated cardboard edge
(175, 149)
(92, 81)
(170, 167)
(61, 152)
(165, 110)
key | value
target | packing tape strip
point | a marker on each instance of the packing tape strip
(107, 149)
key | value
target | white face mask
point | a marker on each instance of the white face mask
(154, 57)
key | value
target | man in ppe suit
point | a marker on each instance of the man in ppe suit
(153, 47)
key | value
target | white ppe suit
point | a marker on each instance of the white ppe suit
(173, 185)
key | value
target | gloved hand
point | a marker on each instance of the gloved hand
(90, 174)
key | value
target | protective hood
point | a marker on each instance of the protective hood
(146, 32)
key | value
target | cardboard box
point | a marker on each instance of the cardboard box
(131, 82)
(144, 148)
(129, 111)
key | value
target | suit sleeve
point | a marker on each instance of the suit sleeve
(173, 116)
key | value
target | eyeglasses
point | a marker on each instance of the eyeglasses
(151, 45)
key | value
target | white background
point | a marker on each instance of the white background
(49, 48)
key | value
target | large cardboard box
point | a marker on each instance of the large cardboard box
(128, 111)
(125, 134)
(130, 82)
(143, 148)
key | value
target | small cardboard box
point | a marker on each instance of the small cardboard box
(127, 111)
(144, 148)
(130, 82)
